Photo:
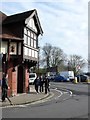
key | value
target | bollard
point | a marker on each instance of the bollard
(88, 80)
(75, 80)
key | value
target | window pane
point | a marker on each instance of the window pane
(25, 30)
(25, 50)
(31, 42)
(32, 53)
(31, 34)
(28, 33)
(36, 54)
(35, 36)
(29, 52)
(34, 43)
(25, 39)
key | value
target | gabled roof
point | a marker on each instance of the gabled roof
(2, 17)
(17, 17)
(22, 17)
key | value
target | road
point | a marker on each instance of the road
(69, 101)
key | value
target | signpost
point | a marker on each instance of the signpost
(78, 69)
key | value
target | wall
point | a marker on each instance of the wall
(26, 80)
(14, 83)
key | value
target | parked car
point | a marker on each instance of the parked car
(82, 78)
(51, 77)
(59, 78)
(32, 77)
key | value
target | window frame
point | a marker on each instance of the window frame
(32, 36)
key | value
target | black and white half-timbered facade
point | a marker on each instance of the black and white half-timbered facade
(19, 46)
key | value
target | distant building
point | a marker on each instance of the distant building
(19, 47)
(52, 70)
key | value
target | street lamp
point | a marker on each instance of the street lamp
(38, 59)
(68, 65)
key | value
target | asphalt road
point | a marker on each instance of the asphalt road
(69, 101)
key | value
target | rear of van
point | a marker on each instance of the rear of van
(32, 77)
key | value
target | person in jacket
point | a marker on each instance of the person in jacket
(36, 83)
(41, 83)
(47, 87)
(5, 88)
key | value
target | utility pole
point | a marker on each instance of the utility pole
(68, 65)
(38, 58)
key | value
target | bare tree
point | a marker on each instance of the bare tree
(88, 65)
(57, 56)
(46, 54)
(75, 63)
(53, 56)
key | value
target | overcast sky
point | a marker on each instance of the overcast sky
(64, 22)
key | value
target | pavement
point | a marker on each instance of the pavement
(25, 98)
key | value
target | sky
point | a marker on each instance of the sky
(64, 22)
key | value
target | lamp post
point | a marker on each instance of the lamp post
(68, 65)
(4, 63)
(1, 65)
(38, 59)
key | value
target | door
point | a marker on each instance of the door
(20, 80)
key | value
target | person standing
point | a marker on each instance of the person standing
(41, 84)
(5, 88)
(46, 84)
(36, 83)
(47, 87)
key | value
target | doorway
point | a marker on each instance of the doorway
(20, 79)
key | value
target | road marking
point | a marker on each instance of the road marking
(14, 106)
(70, 93)
(61, 93)
(22, 105)
(65, 92)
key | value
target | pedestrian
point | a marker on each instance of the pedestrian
(41, 83)
(47, 85)
(36, 83)
(5, 88)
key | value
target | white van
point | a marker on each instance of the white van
(32, 77)
(68, 74)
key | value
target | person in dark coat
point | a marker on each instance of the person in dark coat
(5, 89)
(41, 83)
(36, 83)
(46, 85)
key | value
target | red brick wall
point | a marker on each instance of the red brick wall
(9, 81)
(0, 75)
(14, 83)
(26, 80)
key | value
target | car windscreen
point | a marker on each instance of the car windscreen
(32, 75)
